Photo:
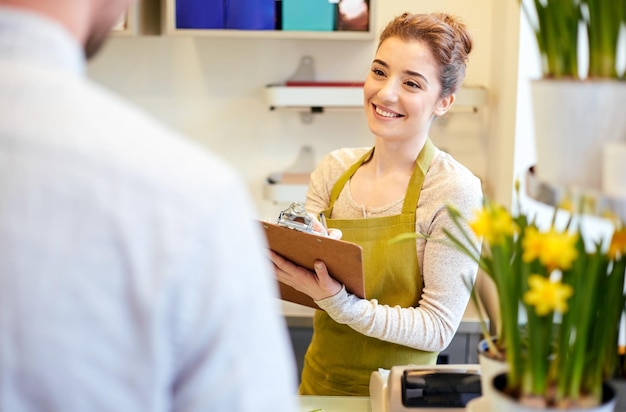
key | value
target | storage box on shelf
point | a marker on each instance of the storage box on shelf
(311, 15)
(211, 19)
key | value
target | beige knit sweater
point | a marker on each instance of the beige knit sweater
(446, 271)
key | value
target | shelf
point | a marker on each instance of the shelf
(169, 28)
(269, 34)
(586, 201)
(323, 96)
(468, 98)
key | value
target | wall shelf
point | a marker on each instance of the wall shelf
(313, 96)
(468, 98)
(269, 34)
(588, 201)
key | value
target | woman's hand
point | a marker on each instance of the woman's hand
(321, 229)
(318, 285)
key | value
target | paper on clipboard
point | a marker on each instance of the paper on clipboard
(344, 260)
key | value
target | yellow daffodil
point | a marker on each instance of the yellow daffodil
(547, 296)
(555, 250)
(618, 244)
(494, 224)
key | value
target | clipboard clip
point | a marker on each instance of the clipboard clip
(295, 217)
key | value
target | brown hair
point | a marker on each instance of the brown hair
(446, 36)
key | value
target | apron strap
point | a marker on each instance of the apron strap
(341, 182)
(424, 159)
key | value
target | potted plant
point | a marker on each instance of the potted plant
(577, 102)
(566, 290)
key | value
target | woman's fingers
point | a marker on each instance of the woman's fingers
(327, 284)
(335, 233)
(318, 285)
(288, 272)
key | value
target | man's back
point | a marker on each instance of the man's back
(131, 277)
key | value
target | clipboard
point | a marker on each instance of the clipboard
(344, 260)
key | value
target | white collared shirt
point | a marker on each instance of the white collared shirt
(132, 277)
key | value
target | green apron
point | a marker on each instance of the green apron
(339, 360)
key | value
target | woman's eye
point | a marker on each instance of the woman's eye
(378, 72)
(413, 84)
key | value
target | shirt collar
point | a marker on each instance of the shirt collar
(32, 37)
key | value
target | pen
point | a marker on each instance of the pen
(322, 219)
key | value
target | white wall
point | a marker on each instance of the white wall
(211, 89)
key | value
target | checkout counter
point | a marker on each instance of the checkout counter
(363, 404)
(410, 388)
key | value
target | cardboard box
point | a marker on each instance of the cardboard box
(200, 14)
(308, 15)
(250, 14)
(226, 14)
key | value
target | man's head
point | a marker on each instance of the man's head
(89, 21)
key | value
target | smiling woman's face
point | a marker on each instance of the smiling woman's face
(402, 90)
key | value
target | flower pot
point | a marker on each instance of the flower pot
(503, 402)
(489, 367)
(620, 388)
(573, 121)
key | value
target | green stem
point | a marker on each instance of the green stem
(509, 291)
(539, 343)
(585, 299)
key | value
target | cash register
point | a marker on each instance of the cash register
(433, 388)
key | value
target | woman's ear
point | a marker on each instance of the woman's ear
(444, 104)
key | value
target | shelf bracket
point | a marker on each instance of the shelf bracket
(305, 71)
(307, 116)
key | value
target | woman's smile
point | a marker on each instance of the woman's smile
(386, 112)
